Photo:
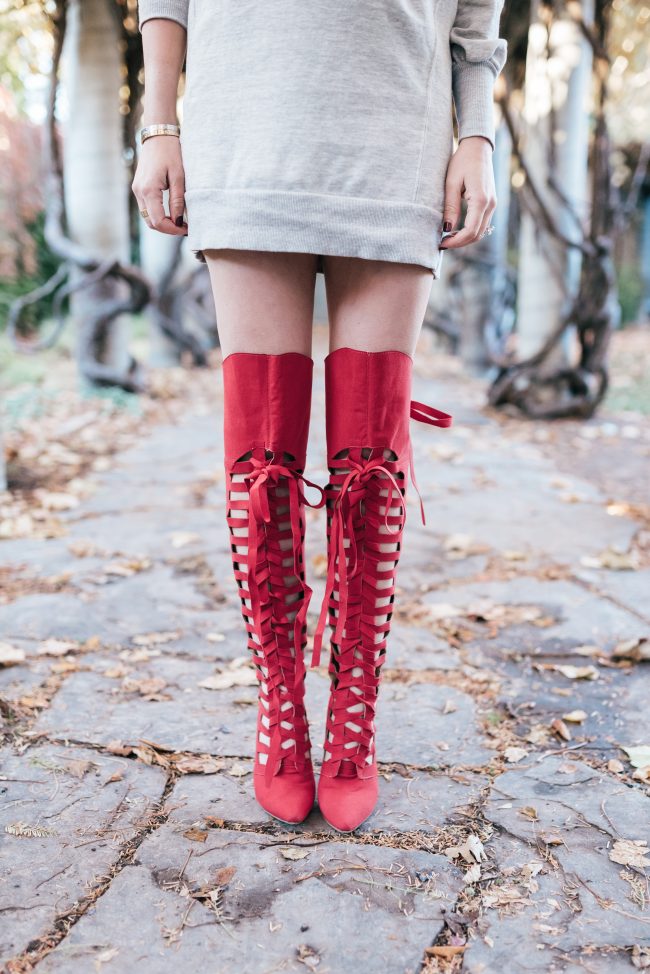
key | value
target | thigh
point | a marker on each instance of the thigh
(264, 300)
(375, 305)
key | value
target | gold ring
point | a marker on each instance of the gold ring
(144, 214)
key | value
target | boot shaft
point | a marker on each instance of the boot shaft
(369, 399)
(267, 404)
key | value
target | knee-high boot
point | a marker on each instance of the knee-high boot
(369, 456)
(267, 403)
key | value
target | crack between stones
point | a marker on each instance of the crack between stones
(594, 590)
(42, 946)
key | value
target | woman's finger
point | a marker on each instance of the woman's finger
(153, 201)
(487, 217)
(452, 208)
(476, 210)
(142, 210)
(177, 198)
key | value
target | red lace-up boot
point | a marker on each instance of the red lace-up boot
(369, 451)
(267, 402)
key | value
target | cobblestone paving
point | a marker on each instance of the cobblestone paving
(511, 834)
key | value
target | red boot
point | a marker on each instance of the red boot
(267, 402)
(368, 406)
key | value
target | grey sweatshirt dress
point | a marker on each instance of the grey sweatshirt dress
(326, 127)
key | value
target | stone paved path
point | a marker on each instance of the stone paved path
(512, 827)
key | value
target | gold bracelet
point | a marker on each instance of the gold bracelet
(164, 129)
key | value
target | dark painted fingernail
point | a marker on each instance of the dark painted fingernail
(446, 226)
(179, 221)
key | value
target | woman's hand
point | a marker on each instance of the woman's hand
(160, 167)
(470, 175)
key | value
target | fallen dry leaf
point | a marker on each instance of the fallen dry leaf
(180, 539)
(574, 717)
(549, 839)
(471, 850)
(445, 950)
(529, 812)
(641, 958)
(515, 754)
(473, 874)
(149, 688)
(57, 647)
(630, 852)
(615, 766)
(613, 558)
(24, 831)
(11, 655)
(531, 869)
(587, 649)
(127, 567)
(236, 675)
(105, 956)
(224, 875)
(460, 546)
(195, 834)
(560, 728)
(213, 822)
(155, 638)
(537, 734)
(639, 756)
(78, 768)
(575, 672)
(198, 763)
(116, 747)
(293, 852)
(56, 500)
(637, 650)
(84, 549)
(512, 554)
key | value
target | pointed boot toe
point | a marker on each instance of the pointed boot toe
(346, 803)
(289, 797)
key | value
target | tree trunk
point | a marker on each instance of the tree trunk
(645, 257)
(95, 174)
(556, 112)
(157, 252)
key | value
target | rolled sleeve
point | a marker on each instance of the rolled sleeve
(478, 57)
(168, 9)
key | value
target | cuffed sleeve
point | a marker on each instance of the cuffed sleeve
(169, 9)
(478, 56)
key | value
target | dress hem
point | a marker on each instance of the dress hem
(295, 222)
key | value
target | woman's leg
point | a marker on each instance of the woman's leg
(264, 304)
(375, 304)
(264, 301)
(376, 311)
